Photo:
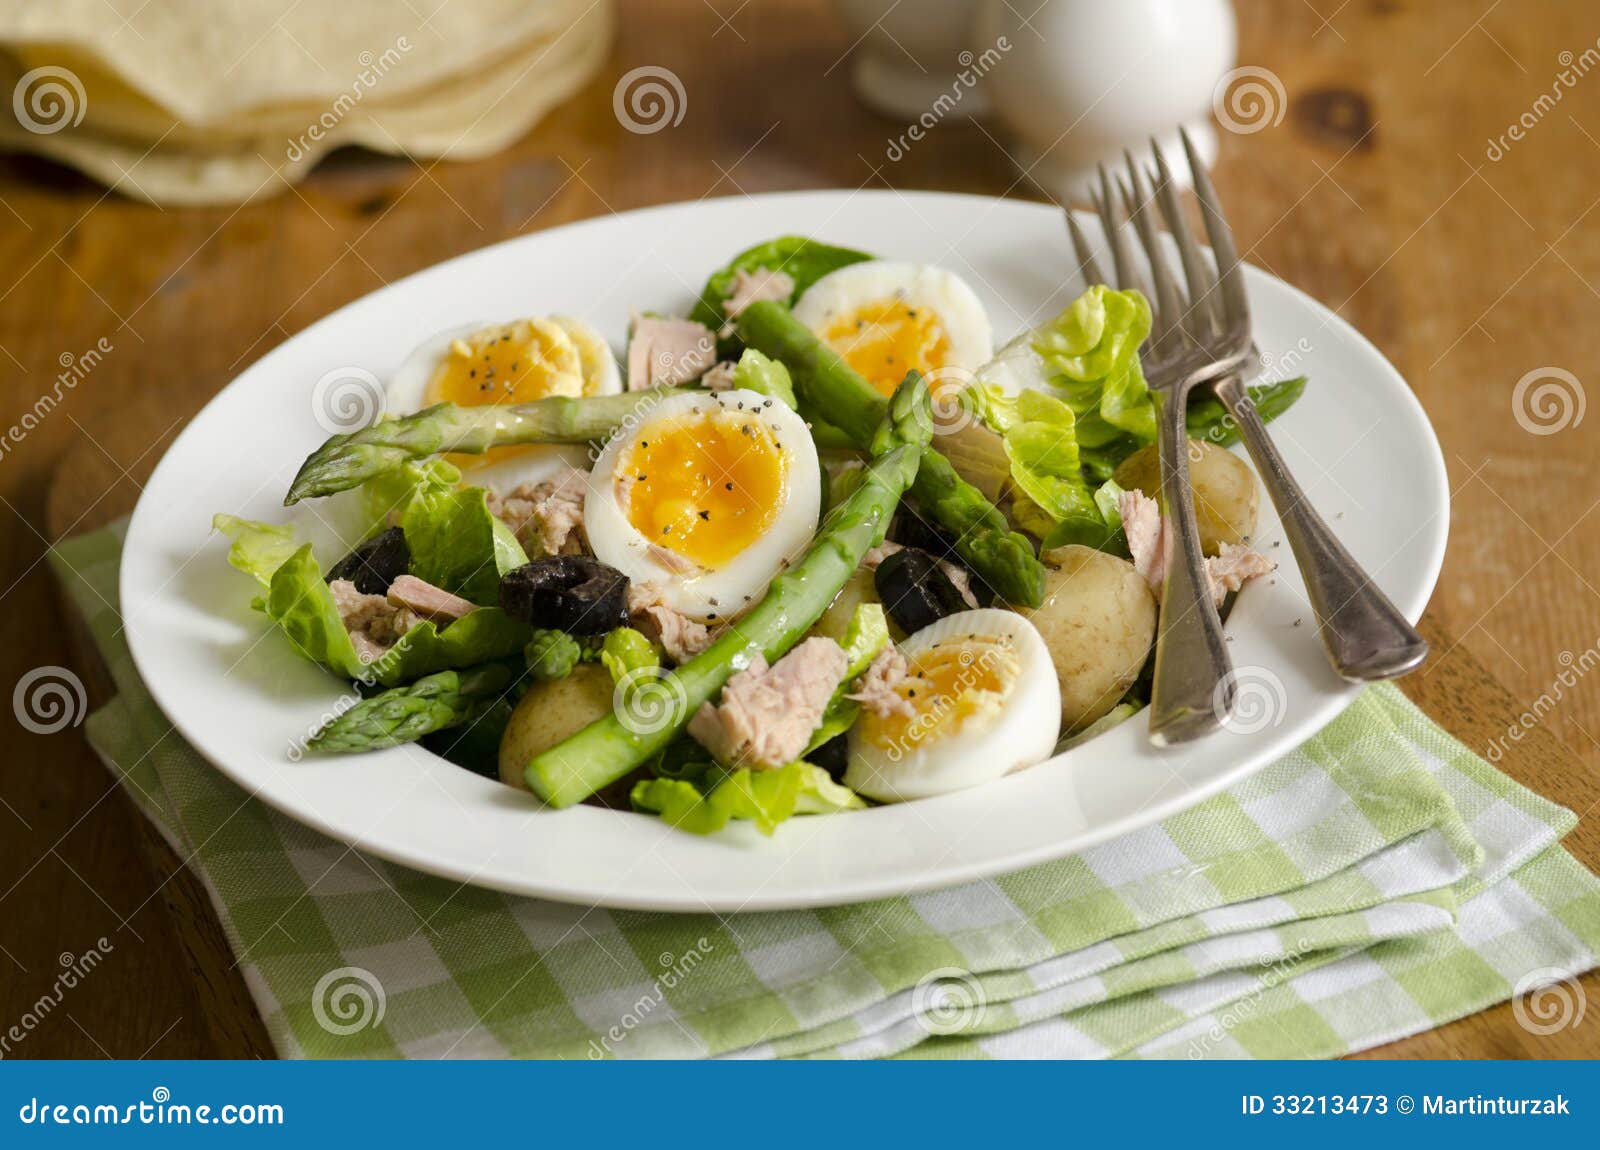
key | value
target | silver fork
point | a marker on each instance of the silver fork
(1193, 689)
(1365, 635)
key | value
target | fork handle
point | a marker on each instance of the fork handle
(1193, 689)
(1365, 635)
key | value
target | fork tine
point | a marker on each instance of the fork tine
(1202, 307)
(1106, 204)
(1088, 266)
(1169, 307)
(1230, 274)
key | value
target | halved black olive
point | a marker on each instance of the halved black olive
(910, 527)
(376, 563)
(914, 590)
(570, 593)
(833, 756)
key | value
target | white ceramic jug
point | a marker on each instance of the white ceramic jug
(1084, 79)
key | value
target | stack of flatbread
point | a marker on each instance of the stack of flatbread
(199, 102)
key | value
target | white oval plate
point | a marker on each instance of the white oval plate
(1358, 441)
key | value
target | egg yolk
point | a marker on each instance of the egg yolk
(887, 338)
(946, 684)
(512, 363)
(705, 485)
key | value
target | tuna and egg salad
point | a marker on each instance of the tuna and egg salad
(820, 546)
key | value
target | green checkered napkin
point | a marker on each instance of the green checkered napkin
(1378, 881)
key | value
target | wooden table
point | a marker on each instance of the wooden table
(1374, 194)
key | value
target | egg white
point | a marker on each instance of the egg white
(961, 314)
(407, 392)
(982, 747)
(709, 594)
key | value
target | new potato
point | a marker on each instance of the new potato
(1225, 490)
(550, 711)
(1098, 620)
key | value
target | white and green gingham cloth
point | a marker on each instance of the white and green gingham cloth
(1379, 881)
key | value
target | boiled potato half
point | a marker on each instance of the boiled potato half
(552, 710)
(1225, 490)
(1098, 619)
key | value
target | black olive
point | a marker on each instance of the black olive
(570, 593)
(376, 563)
(915, 591)
(911, 528)
(833, 756)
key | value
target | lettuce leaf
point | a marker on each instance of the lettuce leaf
(301, 604)
(1040, 435)
(457, 544)
(866, 634)
(804, 260)
(297, 599)
(1103, 533)
(766, 798)
(763, 374)
(388, 494)
(258, 549)
(1090, 354)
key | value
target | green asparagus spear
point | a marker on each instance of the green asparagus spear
(404, 714)
(1002, 558)
(658, 711)
(349, 460)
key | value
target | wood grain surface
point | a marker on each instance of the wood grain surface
(1377, 193)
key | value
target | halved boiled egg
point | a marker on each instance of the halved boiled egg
(980, 699)
(709, 497)
(887, 318)
(481, 365)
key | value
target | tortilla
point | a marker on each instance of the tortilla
(459, 117)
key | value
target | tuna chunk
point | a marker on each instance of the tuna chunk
(423, 598)
(373, 622)
(547, 517)
(877, 689)
(1146, 534)
(1233, 567)
(1141, 524)
(767, 714)
(681, 637)
(720, 377)
(664, 352)
(752, 287)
